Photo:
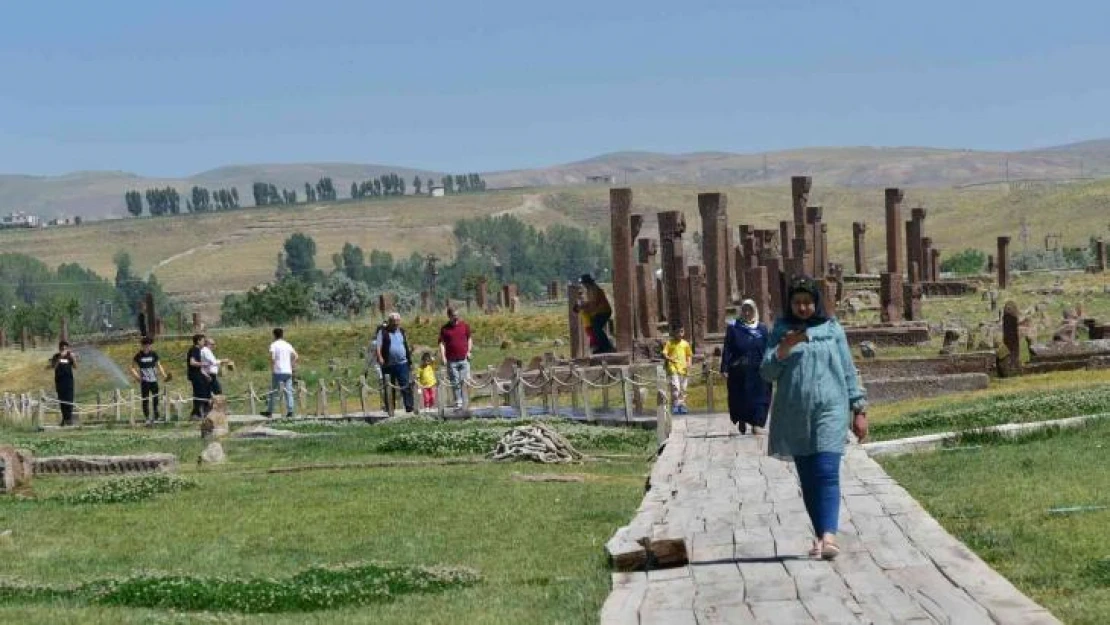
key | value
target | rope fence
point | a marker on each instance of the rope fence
(614, 393)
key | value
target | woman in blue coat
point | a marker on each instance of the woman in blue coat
(749, 396)
(817, 395)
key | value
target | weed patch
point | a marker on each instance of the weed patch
(318, 588)
(130, 489)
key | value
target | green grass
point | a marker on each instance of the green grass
(537, 547)
(996, 499)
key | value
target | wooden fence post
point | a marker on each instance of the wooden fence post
(518, 393)
(362, 394)
(626, 393)
(605, 387)
(587, 406)
(662, 410)
(119, 409)
(322, 400)
(302, 397)
(342, 399)
(252, 398)
(40, 411)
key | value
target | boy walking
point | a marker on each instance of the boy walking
(679, 357)
(145, 368)
(283, 359)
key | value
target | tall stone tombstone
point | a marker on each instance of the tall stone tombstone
(621, 236)
(859, 246)
(776, 283)
(151, 315)
(927, 274)
(425, 302)
(913, 274)
(1003, 262)
(934, 264)
(740, 267)
(647, 308)
(990, 263)
(1011, 336)
(713, 208)
(822, 235)
(894, 244)
(786, 236)
(196, 323)
(672, 225)
(3, 338)
(915, 232)
(553, 290)
(911, 299)
(481, 294)
(759, 292)
(63, 334)
(891, 297)
(1100, 255)
(699, 319)
(800, 187)
(579, 344)
(24, 339)
(814, 231)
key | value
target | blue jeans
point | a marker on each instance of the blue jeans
(283, 382)
(458, 372)
(820, 478)
(399, 376)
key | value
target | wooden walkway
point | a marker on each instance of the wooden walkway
(748, 535)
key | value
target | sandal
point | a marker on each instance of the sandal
(816, 550)
(829, 550)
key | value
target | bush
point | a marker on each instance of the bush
(967, 262)
(130, 489)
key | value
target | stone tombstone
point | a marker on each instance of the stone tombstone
(990, 263)
(740, 269)
(385, 304)
(63, 333)
(622, 238)
(3, 338)
(892, 305)
(713, 208)
(1011, 335)
(696, 286)
(672, 225)
(759, 292)
(197, 325)
(823, 237)
(828, 297)
(786, 235)
(24, 339)
(927, 274)
(859, 246)
(934, 264)
(1003, 261)
(646, 307)
(911, 296)
(894, 242)
(425, 302)
(579, 344)
(818, 233)
(915, 232)
(913, 269)
(1100, 255)
(800, 187)
(151, 315)
(776, 284)
(553, 290)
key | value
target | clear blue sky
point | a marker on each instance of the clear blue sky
(161, 88)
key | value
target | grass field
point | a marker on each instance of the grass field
(201, 258)
(996, 497)
(537, 547)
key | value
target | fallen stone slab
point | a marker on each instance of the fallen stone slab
(931, 442)
(264, 432)
(970, 362)
(906, 335)
(1098, 347)
(105, 465)
(886, 390)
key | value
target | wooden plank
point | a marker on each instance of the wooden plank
(668, 546)
(725, 614)
(767, 581)
(831, 611)
(624, 553)
(880, 600)
(622, 606)
(781, 613)
(936, 594)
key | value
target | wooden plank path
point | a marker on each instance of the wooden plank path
(748, 535)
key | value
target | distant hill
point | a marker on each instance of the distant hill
(96, 195)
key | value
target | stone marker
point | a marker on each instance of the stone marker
(579, 344)
(713, 208)
(1003, 262)
(1100, 255)
(758, 291)
(621, 237)
(890, 297)
(481, 294)
(859, 246)
(1011, 335)
(696, 287)
(212, 454)
(927, 274)
(894, 243)
(672, 225)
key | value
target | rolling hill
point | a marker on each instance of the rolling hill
(97, 195)
(201, 258)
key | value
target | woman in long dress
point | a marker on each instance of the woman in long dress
(749, 395)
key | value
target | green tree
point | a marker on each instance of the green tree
(964, 263)
(134, 202)
(416, 185)
(300, 256)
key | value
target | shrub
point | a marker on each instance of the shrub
(130, 489)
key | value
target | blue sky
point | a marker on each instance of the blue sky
(176, 88)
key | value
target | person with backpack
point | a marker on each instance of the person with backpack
(394, 355)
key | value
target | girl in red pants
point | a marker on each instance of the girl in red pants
(426, 379)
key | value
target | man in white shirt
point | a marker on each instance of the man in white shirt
(283, 359)
(211, 366)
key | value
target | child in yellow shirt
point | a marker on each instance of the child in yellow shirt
(679, 356)
(426, 379)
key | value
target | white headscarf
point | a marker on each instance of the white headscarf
(755, 309)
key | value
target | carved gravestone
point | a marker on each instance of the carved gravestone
(16, 468)
(1011, 336)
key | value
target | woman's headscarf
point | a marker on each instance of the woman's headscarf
(805, 284)
(755, 309)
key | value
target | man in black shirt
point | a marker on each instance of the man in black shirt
(63, 363)
(145, 368)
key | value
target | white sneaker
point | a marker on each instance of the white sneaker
(458, 405)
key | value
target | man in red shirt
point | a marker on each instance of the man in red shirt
(454, 352)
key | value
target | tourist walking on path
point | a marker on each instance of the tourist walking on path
(202, 392)
(679, 356)
(817, 395)
(212, 366)
(749, 395)
(283, 360)
(63, 363)
(455, 345)
(597, 308)
(426, 379)
(395, 355)
(145, 368)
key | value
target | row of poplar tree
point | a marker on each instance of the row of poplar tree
(167, 201)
